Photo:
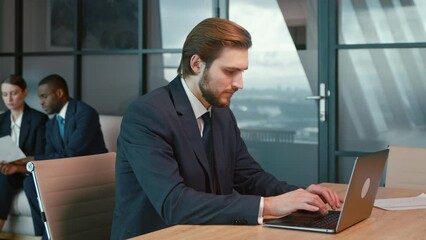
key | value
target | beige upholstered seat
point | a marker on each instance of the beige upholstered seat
(406, 168)
(110, 126)
(76, 195)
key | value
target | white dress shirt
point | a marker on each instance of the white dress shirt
(15, 128)
(63, 111)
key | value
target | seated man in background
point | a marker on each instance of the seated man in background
(73, 131)
(180, 156)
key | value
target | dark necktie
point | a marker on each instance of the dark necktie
(208, 146)
(61, 124)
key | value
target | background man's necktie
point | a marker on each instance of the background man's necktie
(208, 146)
(61, 124)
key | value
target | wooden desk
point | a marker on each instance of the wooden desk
(409, 224)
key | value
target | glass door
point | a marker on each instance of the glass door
(381, 59)
(279, 124)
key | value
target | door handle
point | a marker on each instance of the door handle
(321, 99)
(314, 98)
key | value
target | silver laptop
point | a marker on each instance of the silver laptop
(357, 206)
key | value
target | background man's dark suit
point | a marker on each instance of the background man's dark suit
(31, 141)
(82, 136)
(161, 162)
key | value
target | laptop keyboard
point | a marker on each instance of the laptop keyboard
(325, 221)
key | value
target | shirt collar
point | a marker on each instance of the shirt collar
(196, 105)
(18, 121)
(63, 111)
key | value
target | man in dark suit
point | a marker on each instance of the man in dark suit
(73, 131)
(165, 175)
(82, 134)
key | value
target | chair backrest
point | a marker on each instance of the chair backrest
(76, 195)
(406, 168)
(110, 126)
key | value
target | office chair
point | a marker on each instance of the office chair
(76, 195)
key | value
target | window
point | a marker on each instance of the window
(279, 125)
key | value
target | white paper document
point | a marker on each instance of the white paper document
(402, 203)
(9, 151)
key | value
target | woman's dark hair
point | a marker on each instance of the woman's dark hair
(16, 80)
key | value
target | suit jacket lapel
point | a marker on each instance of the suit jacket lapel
(5, 126)
(25, 126)
(189, 123)
(69, 119)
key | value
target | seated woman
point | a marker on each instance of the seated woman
(26, 127)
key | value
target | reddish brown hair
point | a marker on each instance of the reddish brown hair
(208, 39)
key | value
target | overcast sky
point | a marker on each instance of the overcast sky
(273, 59)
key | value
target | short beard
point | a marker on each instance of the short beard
(207, 94)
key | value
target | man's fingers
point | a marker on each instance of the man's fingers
(329, 196)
